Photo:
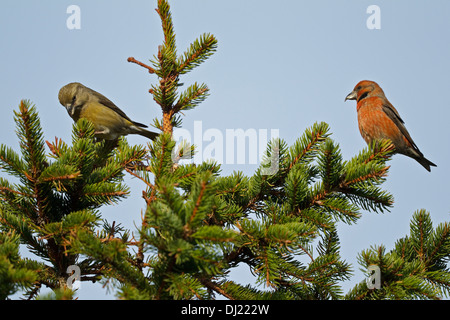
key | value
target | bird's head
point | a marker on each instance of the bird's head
(363, 89)
(73, 96)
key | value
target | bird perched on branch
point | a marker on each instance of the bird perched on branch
(378, 119)
(109, 121)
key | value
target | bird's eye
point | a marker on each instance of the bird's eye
(358, 88)
(74, 98)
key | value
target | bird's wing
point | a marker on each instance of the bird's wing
(109, 104)
(392, 113)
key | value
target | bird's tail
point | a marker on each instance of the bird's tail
(427, 164)
(149, 134)
(139, 129)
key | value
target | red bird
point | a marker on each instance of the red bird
(378, 119)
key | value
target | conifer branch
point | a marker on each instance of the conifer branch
(191, 98)
(163, 11)
(197, 53)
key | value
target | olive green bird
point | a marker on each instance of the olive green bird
(109, 121)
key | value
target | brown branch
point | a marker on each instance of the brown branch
(214, 287)
(64, 177)
(139, 177)
(2, 189)
(373, 175)
(167, 121)
(150, 69)
(55, 147)
(307, 252)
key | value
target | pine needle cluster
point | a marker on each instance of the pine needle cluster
(416, 268)
(58, 195)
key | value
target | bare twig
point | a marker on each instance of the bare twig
(150, 69)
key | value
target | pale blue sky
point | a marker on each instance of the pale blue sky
(280, 65)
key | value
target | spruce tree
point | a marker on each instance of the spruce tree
(280, 222)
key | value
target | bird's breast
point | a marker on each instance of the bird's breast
(374, 123)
